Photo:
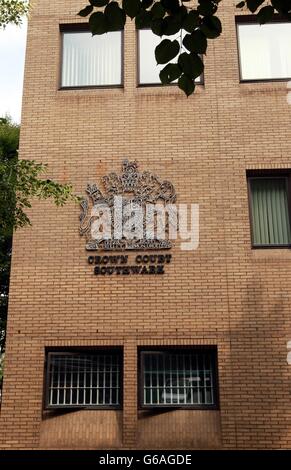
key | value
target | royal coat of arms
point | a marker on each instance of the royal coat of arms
(130, 194)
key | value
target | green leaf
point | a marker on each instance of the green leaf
(99, 3)
(195, 42)
(98, 23)
(166, 51)
(191, 65)
(191, 21)
(181, 13)
(253, 5)
(157, 27)
(158, 11)
(171, 25)
(171, 6)
(265, 14)
(170, 73)
(186, 84)
(206, 7)
(86, 11)
(131, 7)
(115, 17)
(283, 7)
(211, 27)
(146, 3)
(241, 4)
(143, 19)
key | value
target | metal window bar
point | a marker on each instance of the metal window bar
(151, 380)
(71, 385)
(191, 380)
(91, 383)
(110, 382)
(184, 380)
(78, 379)
(84, 382)
(176, 364)
(65, 381)
(198, 380)
(97, 381)
(52, 376)
(58, 393)
(74, 379)
(184, 376)
(204, 382)
(211, 381)
(164, 379)
(104, 379)
(171, 379)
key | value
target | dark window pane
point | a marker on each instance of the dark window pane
(181, 378)
(270, 217)
(84, 379)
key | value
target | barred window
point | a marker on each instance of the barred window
(89, 379)
(179, 378)
(269, 205)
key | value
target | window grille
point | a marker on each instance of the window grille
(84, 379)
(180, 378)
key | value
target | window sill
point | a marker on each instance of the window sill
(90, 87)
(271, 253)
(85, 92)
(171, 89)
(271, 247)
(261, 86)
(265, 80)
(79, 408)
(178, 407)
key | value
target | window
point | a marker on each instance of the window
(89, 61)
(84, 379)
(270, 221)
(148, 69)
(264, 51)
(184, 378)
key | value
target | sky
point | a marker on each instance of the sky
(12, 52)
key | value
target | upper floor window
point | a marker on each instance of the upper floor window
(264, 50)
(269, 205)
(89, 61)
(84, 379)
(148, 69)
(179, 378)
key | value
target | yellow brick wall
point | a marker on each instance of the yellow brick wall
(223, 294)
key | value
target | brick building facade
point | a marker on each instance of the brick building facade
(226, 298)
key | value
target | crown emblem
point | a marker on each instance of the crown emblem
(136, 190)
(129, 177)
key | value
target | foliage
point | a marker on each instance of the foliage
(20, 182)
(12, 11)
(1, 366)
(169, 18)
